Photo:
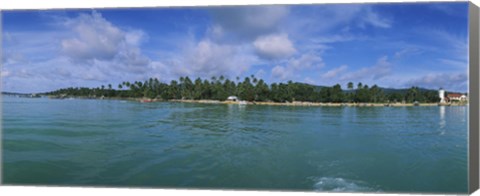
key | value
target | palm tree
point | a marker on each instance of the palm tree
(213, 78)
(150, 82)
(350, 85)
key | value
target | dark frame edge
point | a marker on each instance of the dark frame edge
(474, 88)
(1, 97)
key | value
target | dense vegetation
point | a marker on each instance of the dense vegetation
(250, 89)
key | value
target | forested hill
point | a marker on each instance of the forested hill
(13, 93)
(249, 89)
(21, 94)
(317, 88)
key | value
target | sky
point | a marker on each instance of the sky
(388, 44)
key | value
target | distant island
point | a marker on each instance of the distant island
(253, 90)
(29, 95)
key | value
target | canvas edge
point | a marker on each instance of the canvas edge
(1, 97)
(474, 88)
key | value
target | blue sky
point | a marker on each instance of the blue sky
(391, 45)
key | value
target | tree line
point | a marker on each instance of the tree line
(250, 89)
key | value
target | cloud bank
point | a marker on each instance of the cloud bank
(318, 44)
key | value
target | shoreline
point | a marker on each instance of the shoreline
(271, 103)
(314, 104)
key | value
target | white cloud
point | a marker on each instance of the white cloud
(84, 51)
(324, 18)
(333, 38)
(407, 52)
(280, 72)
(249, 22)
(372, 18)
(135, 37)
(309, 80)
(132, 60)
(61, 69)
(207, 58)
(450, 81)
(454, 63)
(378, 71)
(294, 68)
(448, 9)
(94, 74)
(334, 72)
(19, 73)
(95, 38)
(306, 61)
(63, 72)
(30, 46)
(216, 32)
(455, 45)
(339, 18)
(5, 73)
(275, 46)
(103, 46)
(10, 57)
(443, 42)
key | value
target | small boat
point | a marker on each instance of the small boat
(242, 103)
(416, 103)
(146, 100)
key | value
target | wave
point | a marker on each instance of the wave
(329, 184)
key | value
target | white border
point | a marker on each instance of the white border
(62, 4)
(72, 191)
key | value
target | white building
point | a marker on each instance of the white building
(456, 97)
(441, 94)
(232, 98)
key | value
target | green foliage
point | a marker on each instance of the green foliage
(350, 85)
(250, 89)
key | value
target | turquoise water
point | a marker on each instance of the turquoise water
(184, 145)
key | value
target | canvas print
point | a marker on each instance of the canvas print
(318, 97)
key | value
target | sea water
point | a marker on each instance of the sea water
(118, 143)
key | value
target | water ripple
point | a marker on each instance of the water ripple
(330, 184)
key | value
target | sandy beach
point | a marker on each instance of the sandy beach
(294, 103)
(298, 103)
